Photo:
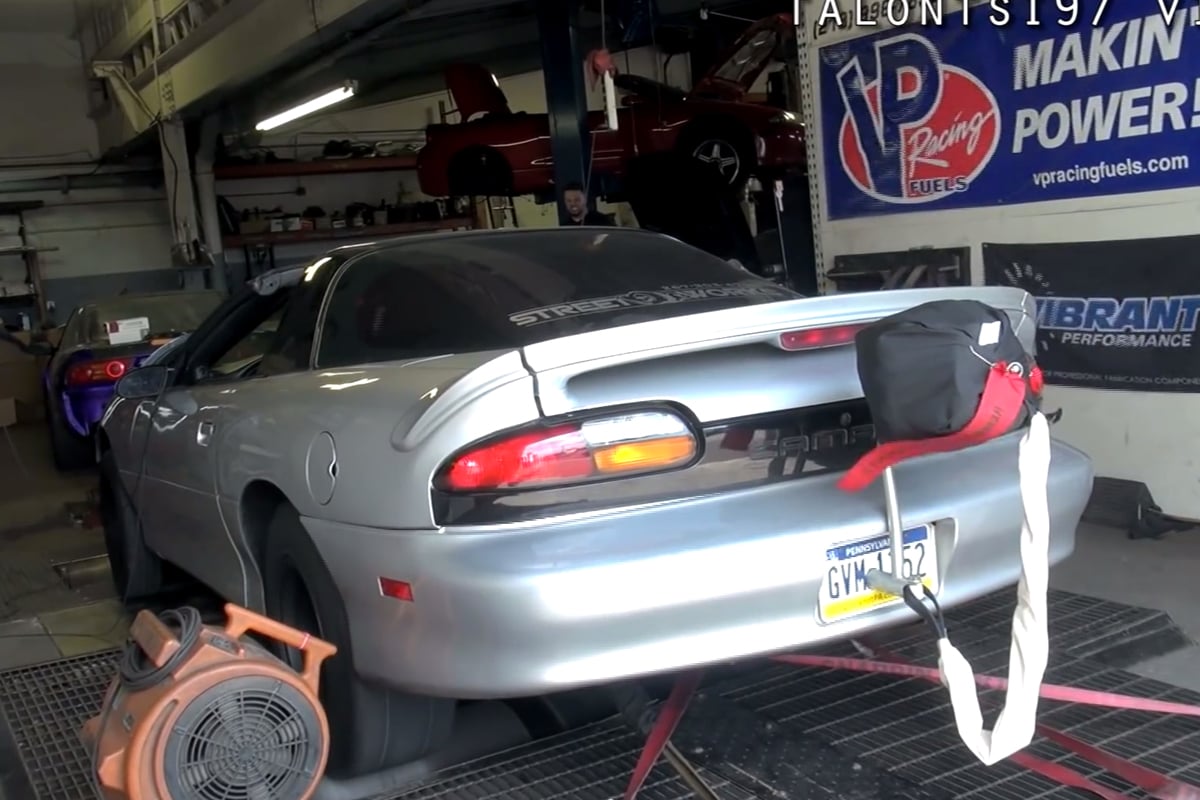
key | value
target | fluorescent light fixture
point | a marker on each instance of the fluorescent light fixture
(344, 92)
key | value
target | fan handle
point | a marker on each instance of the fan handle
(242, 620)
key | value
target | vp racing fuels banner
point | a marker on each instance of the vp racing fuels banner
(952, 115)
(1111, 315)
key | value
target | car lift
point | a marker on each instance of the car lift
(659, 723)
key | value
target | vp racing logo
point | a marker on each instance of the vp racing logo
(1163, 322)
(917, 131)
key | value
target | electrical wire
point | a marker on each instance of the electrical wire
(136, 673)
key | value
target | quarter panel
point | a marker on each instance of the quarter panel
(392, 426)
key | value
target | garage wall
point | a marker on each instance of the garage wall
(1132, 435)
(109, 239)
(404, 123)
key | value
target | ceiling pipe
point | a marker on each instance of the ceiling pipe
(67, 183)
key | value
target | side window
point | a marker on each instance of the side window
(248, 348)
(290, 349)
(72, 329)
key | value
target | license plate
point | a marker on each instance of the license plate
(844, 590)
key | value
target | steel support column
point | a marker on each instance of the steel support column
(181, 193)
(206, 196)
(566, 96)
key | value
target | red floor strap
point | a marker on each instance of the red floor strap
(1065, 776)
(1157, 785)
(664, 727)
(1048, 691)
(999, 406)
(1153, 783)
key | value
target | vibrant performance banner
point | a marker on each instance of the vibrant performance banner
(970, 114)
(1111, 315)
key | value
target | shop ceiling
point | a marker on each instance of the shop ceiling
(38, 16)
(253, 56)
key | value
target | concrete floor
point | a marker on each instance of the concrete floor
(46, 532)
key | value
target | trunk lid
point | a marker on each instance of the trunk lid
(729, 364)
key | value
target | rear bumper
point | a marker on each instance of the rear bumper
(570, 602)
(84, 407)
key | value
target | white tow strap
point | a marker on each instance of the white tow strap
(1030, 647)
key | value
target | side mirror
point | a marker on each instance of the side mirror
(143, 382)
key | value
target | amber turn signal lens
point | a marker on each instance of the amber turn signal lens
(649, 454)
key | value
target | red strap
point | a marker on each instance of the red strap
(1001, 403)
(1048, 691)
(660, 733)
(1037, 381)
(1065, 776)
(1155, 784)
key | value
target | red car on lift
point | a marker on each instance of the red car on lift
(495, 151)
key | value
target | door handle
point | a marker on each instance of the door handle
(204, 433)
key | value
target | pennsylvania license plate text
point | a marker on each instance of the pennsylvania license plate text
(844, 590)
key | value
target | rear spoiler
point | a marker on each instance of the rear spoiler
(762, 324)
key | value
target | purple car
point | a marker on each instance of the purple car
(100, 343)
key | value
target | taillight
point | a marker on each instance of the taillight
(614, 446)
(105, 371)
(816, 338)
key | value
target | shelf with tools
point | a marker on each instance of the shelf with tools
(327, 166)
(311, 190)
(27, 291)
(361, 232)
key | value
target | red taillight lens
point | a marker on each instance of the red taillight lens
(105, 371)
(816, 338)
(626, 444)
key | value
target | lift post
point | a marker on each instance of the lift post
(566, 96)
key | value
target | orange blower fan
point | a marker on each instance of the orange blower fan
(197, 712)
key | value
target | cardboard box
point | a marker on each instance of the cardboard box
(11, 354)
(13, 411)
(22, 380)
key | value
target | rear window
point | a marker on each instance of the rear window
(158, 315)
(511, 289)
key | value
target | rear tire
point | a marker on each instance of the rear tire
(70, 452)
(479, 172)
(371, 728)
(137, 571)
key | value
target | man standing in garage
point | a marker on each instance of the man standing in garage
(575, 201)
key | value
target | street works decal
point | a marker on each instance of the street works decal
(682, 293)
(976, 114)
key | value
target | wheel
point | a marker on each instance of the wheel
(70, 451)
(480, 172)
(137, 571)
(371, 728)
(725, 147)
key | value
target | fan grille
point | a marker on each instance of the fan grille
(246, 738)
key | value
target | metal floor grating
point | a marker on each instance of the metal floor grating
(592, 763)
(1085, 627)
(766, 731)
(906, 725)
(44, 707)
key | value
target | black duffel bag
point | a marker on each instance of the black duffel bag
(941, 376)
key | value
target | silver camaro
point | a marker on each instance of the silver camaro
(508, 463)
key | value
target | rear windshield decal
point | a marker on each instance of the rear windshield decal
(665, 295)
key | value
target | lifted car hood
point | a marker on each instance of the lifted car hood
(474, 90)
(733, 74)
